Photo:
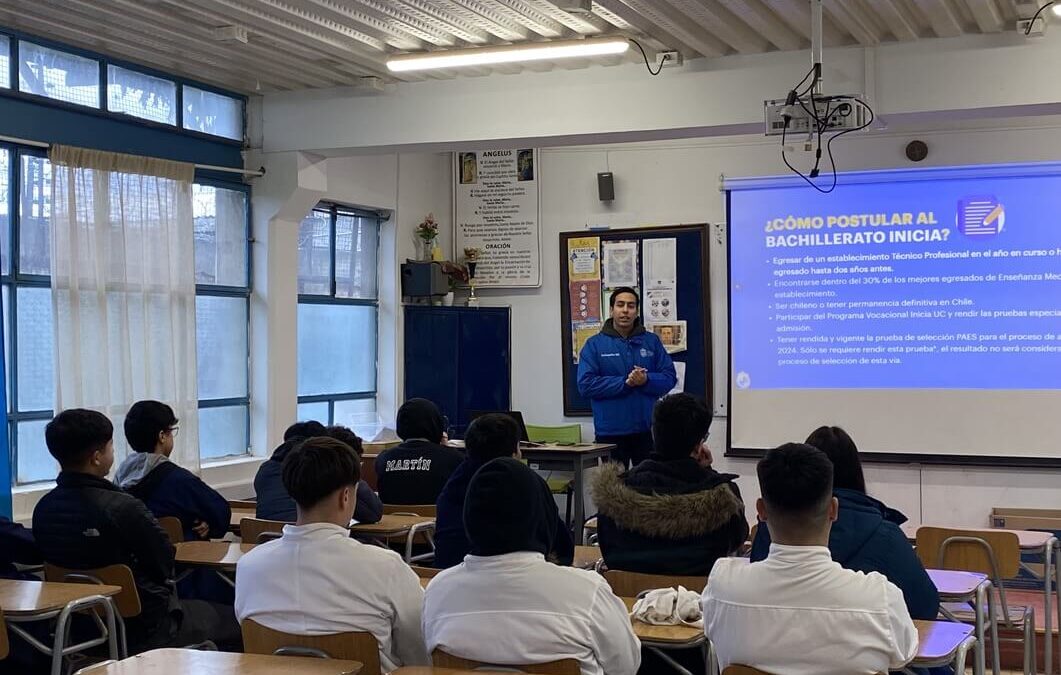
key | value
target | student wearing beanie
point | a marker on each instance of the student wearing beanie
(488, 437)
(506, 604)
(416, 471)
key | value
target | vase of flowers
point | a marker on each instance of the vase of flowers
(427, 233)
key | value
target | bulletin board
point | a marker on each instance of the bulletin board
(669, 267)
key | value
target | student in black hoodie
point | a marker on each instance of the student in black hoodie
(166, 488)
(672, 513)
(87, 522)
(416, 471)
(273, 501)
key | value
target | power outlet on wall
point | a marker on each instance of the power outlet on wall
(669, 59)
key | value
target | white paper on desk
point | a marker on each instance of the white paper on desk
(619, 259)
(679, 370)
(660, 268)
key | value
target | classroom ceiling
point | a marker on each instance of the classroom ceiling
(300, 44)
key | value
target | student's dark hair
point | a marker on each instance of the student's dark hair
(619, 291)
(317, 468)
(492, 435)
(842, 452)
(144, 421)
(679, 422)
(796, 481)
(344, 434)
(304, 430)
(73, 435)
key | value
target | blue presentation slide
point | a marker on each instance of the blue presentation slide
(915, 279)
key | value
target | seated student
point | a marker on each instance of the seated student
(87, 522)
(415, 471)
(271, 499)
(797, 611)
(506, 604)
(866, 535)
(316, 580)
(165, 488)
(672, 513)
(489, 436)
(17, 546)
(369, 507)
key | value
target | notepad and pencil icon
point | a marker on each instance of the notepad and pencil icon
(981, 216)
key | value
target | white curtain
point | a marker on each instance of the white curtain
(123, 288)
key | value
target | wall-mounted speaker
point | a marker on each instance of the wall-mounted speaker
(605, 186)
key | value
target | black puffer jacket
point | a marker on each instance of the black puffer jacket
(88, 522)
(667, 517)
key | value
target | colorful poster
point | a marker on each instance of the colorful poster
(580, 332)
(496, 210)
(660, 305)
(585, 301)
(673, 335)
(583, 259)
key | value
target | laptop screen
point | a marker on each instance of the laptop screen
(514, 414)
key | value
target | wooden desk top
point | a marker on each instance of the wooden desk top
(222, 555)
(939, 640)
(429, 670)
(424, 581)
(954, 586)
(1029, 540)
(30, 598)
(552, 448)
(240, 514)
(586, 557)
(184, 661)
(390, 525)
(672, 634)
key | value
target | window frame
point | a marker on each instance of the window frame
(13, 91)
(244, 292)
(15, 279)
(334, 211)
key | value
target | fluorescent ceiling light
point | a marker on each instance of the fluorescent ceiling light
(1056, 8)
(538, 51)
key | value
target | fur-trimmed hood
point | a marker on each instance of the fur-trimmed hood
(691, 510)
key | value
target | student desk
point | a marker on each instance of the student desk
(238, 515)
(184, 661)
(972, 588)
(1029, 541)
(221, 556)
(941, 643)
(393, 525)
(569, 458)
(586, 557)
(29, 601)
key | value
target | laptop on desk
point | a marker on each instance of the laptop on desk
(517, 416)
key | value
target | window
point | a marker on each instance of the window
(5, 62)
(140, 95)
(58, 75)
(212, 113)
(222, 306)
(337, 318)
(221, 231)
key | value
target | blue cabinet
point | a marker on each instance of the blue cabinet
(460, 358)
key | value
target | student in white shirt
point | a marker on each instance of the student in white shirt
(798, 612)
(506, 605)
(316, 580)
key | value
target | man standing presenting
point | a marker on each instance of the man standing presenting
(623, 370)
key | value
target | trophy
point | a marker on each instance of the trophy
(471, 258)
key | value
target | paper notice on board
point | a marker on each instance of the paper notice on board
(660, 266)
(672, 334)
(580, 333)
(585, 301)
(496, 210)
(619, 261)
(659, 306)
(679, 370)
(583, 259)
